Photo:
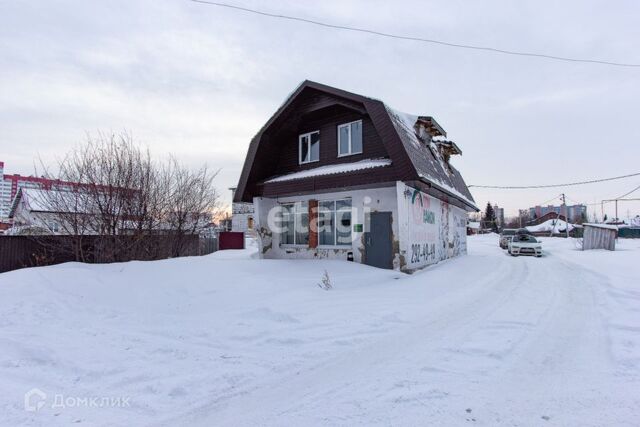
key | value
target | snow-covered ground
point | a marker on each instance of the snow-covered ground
(225, 339)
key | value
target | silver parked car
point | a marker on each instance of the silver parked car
(525, 244)
(505, 237)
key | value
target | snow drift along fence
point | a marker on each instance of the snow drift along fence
(32, 251)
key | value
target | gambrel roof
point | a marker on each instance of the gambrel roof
(413, 157)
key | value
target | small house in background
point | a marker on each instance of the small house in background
(338, 175)
(242, 215)
(31, 212)
(599, 236)
(473, 227)
(631, 230)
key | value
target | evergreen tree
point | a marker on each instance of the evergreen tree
(490, 218)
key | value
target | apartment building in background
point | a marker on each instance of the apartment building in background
(573, 212)
(499, 215)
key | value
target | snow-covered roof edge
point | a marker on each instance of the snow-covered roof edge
(606, 226)
(332, 169)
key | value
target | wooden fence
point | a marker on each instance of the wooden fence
(32, 251)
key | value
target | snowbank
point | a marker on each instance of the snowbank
(227, 339)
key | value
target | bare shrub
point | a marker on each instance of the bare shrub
(325, 283)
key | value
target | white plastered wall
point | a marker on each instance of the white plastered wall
(362, 201)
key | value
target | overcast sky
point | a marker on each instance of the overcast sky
(198, 81)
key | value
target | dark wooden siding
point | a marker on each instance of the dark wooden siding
(327, 121)
(274, 151)
(313, 105)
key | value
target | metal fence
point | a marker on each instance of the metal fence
(208, 245)
(629, 233)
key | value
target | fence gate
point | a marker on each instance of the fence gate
(231, 240)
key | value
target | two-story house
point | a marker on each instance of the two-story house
(337, 175)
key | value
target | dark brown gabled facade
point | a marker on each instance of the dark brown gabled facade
(398, 151)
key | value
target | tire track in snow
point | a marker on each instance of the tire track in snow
(566, 344)
(454, 317)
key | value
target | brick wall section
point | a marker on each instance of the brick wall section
(313, 223)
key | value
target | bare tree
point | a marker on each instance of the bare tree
(111, 191)
(192, 202)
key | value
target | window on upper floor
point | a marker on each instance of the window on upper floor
(350, 138)
(309, 147)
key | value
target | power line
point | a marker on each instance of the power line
(626, 194)
(582, 203)
(606, 200)
(550, 200)
(418, 39)
(568, 184)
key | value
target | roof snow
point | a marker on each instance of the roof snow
(555, 225)
(606, 226)
(426, 158)
(47, 200)
(37, 199)
(333, 169)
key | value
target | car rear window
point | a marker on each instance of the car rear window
(508, 232)
(524, 238)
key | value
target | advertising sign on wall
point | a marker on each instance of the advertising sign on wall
(435, 230)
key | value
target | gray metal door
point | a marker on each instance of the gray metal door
(377, 241)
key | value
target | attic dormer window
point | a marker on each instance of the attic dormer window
(446, 150)
(309, 147)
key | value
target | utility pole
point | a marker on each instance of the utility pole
(617, 210)
(566, 215)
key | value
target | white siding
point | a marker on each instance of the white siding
(425, 229)
(362, 201)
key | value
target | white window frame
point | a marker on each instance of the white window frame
(335, 244)
(348, 126)
(296, 219)
(300, 161)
